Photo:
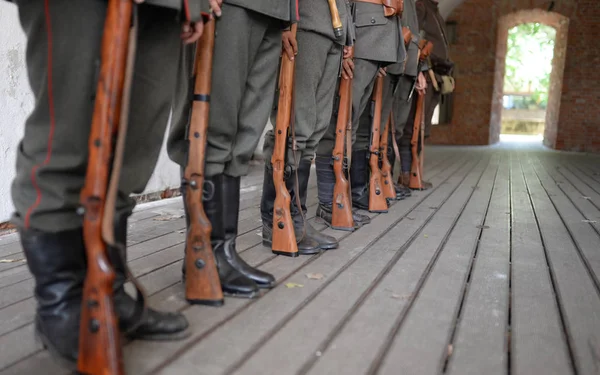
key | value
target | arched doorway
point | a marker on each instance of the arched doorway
(561, 24)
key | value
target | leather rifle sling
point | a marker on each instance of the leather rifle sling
(296, 164)
(108, 234)
(394, 142)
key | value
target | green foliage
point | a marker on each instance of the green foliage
(529, 60)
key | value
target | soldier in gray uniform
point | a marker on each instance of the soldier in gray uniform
(244, 76)
(431, 22)
(318, 61)
(63, 51)
(400, 87)
(378, 44)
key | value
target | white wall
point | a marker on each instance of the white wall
(16, 101)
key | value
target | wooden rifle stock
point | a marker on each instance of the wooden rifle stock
(99, 336)
(416, 182)
(336, 22)
(407, 35)
(341, 217)
(284, 237)
(389, 191)
(377, 201)
(202, 284)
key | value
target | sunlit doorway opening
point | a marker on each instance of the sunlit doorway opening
(528, 70)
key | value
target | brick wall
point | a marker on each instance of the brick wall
(573, 118)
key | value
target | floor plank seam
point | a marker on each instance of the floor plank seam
(184, 350)
(579, 251)
(561, 313)
(386, 346)
(465, 290)
(361, 299)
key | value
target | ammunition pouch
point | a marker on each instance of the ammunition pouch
(447, 86)
(390, 7)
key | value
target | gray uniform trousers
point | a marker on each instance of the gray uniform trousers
(365, 72)
(247, 49)
(317, 67)
(63, 49)
(395, 102)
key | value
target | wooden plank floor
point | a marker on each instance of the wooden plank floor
(496, 270)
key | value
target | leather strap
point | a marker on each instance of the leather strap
(394, 142)
(390, 7)
(294, 150)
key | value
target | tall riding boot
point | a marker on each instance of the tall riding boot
(325, 242)
(325, 187)
(57, 262)
(231, 210)
(359, 179)
(154, 325)
(306, 245)
(233, 283)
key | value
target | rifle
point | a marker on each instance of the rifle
(377, 198)
(336, 22)
(389, 191)
(416, 182)
(202, 284)
(416, 175)
(99, 336)
(341, 217)
(284, 237)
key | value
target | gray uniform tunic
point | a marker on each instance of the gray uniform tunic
(317, 68)
(52, 156)
(247, 50)
(378, 44)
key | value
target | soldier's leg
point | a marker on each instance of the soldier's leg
(313, 65)
(243, 82)
(177, 142)
(401, 111)
(405, 142)
(362, 91)
(325, 98)
(62, 48)
(153, 85)
(52, 162)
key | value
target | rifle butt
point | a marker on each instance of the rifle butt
(284, 237)
(341, 213)
(202, 283)
(415, 182)
(99, 336)
(377, 201)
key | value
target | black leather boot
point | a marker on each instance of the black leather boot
(359, 179)
(154, 325)
(325, 187)
(233, 283)
(231, 210)
(324, 212)
(325, 242)
(57, 262)
(306, 245)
